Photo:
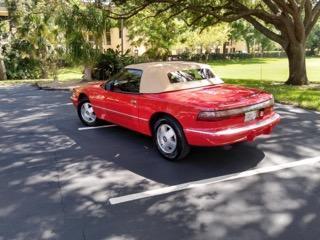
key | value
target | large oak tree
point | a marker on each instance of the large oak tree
(287, 22)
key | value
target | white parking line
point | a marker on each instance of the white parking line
(205, 182)
(57, 105)
(91, 128)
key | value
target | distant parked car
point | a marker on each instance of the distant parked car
(179, 104)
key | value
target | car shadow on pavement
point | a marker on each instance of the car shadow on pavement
(201, 163)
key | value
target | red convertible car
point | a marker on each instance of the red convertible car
(179, 104)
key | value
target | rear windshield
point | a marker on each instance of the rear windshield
(191, 75)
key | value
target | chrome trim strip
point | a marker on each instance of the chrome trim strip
(231, 131)
(121, 113)
(236, 111)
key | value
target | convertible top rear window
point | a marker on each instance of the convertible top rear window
(191, 75)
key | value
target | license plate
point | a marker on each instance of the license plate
(250, 116)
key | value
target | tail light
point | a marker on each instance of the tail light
(212, 116)
(219, 115)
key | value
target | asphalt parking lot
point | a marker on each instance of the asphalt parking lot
(57, 181)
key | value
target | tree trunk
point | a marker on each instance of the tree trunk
(297, 64)
(248, 46)
(3, 73)
(225, 48)
(44, 74)
(87, 74)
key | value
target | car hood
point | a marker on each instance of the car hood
(219, 97)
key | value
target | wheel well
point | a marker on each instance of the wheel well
(159, 115)
(82, 96)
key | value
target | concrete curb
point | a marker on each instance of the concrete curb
(51, 88)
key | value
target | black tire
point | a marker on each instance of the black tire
(182, 147)
(83, 120)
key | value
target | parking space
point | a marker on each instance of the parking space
(58, 179)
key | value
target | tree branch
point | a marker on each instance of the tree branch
(315, 14)
(267, 32)
(284, 6)
(307, 12)
(271, 6)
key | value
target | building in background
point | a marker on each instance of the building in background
(3, 10)
(112, 39)
(232, 47)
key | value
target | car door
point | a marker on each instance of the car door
(121, 100)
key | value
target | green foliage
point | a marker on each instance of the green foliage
(313, 43)
(205, 57)
(20, 65)
(208, 39)
(35, 44)
(110, 63)
(243, 31)
(163, 33)
(77, 23)
(42, 33)
(158, 34)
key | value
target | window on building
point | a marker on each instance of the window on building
(91, 38)
(119, 27)
(120, 33)
(108, 37)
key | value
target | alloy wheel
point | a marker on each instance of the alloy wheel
(166, 138)
(87, 113)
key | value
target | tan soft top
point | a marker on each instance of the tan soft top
(155, 76)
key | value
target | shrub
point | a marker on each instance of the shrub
(19, 64)
(187, 56)
(110, 63)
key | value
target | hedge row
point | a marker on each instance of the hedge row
(218, 56)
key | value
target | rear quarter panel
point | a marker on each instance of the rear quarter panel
(150, 104)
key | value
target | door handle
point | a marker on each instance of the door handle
(133, 102)
(112, 99)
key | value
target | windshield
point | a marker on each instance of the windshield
(192, 75)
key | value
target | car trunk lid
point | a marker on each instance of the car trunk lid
(222, 97)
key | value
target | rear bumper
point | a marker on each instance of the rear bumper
(199, 137)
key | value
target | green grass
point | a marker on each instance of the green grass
(267, 69)
(269, 74)
(64, 74)
(71, 73)
(306, 97)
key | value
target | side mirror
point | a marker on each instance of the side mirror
(109, 86)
